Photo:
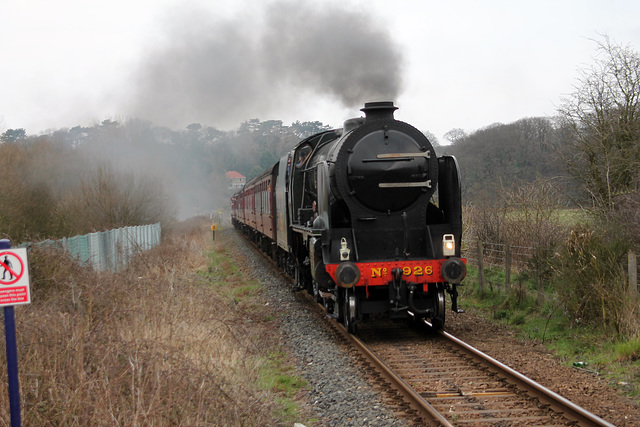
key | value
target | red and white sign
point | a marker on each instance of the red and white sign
(14, 277)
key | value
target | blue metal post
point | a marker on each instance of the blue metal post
(12, 356)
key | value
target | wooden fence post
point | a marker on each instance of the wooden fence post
(507, 267)
(633, 277)
(540, 285)
(480, 266)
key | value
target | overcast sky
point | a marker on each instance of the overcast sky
(446, 64)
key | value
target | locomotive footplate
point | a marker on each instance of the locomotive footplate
(307, 231)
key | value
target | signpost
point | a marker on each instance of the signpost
(14, 290)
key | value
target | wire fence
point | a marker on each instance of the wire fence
(108, 250)
(514, 259)
(498, 254)
(507, 259)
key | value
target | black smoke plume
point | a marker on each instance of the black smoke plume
(223, 71)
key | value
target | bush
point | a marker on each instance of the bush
(108, 200)
(627, 213)
(27, 204)
(591, 282)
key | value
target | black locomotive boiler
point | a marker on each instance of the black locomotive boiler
(367, 218)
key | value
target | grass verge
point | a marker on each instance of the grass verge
(172, 340)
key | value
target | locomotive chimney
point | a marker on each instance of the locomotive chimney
(378, 110)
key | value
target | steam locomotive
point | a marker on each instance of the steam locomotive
(365, 218)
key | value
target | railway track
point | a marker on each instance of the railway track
(439, 380)
(436, 379)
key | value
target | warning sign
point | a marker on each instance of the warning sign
(14, 277)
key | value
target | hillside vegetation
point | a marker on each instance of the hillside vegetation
(504, 156)
(186, 169)
(124, 173)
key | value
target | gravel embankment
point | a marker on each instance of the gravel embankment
(338, 394)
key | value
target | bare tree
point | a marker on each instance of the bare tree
(455, 135)
(109, 199)
(603, 116)
(533, 217)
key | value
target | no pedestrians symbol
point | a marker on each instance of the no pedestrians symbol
(11, 267)
(14, 277)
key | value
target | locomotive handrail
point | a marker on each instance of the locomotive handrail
(426, 155)
(426, 183)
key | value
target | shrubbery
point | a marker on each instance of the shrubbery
(51, 190)
(581, 267)
(591, 282)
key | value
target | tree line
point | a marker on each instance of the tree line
(589, 151)
(129, 172)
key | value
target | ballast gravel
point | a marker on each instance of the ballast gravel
(340, 395)
(338, 392)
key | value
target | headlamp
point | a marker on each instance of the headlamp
(448, 245)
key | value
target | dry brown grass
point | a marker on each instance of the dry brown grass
(155, 345)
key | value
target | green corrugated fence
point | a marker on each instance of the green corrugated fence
(109, 250)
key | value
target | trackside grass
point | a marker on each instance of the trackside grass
(173, 340)
(598, 349)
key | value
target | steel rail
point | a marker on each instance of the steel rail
(559, 403)
(417, 402)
